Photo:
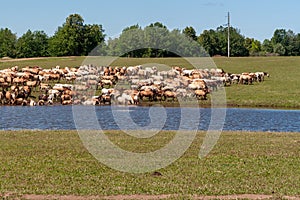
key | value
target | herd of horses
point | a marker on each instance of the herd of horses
(91, 85)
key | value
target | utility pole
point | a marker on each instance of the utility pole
(228, 37)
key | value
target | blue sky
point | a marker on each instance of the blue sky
(255, 18)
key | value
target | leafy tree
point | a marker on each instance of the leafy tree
(131, 28)
(190, 32)
(287, 41)
(157, 37)
(137, 42)
(267, 46)
(209, 39)
(74, 38)
(291, 44)
(131, 43)
(93, 37)
(297, 45)
(186, 47)
(237, 42)
(7, 43)
(222, 40)
(32, 44)
(253, 46)
(157, 24)
(113, 47)
(279, 49)
(154, 40)
(279, 36)
(215, 42)
(248, 43)
(68, 39)
(256, 46)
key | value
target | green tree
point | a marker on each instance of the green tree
(253, 46)
(157, 36)
(210, 41)
(32, 44)
(131, 28)
(291, 44)
(215, 42)
(113, 47)
(267, 46)
(93, 37)
(74, 38)
(131, 43)
(158, 25)
(154, 40)
(190, 32)
(137, 42)
(297, 45)
(287, 40)
(279, 49)
(7, 43)
(279, 36)
(237, 41)
(68, 39)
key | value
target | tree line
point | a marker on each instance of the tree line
(75, 38)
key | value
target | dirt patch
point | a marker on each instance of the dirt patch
(7, 59)
(145, 197)
(19, 59)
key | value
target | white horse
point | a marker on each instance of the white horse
(124, 99)
(32, 103)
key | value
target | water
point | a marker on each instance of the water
(115, 118)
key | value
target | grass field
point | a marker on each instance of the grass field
(280, 90)
(57, 163)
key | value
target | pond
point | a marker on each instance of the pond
(137, 118)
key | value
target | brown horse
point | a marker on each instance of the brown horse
(54, 77)
(9, 97)
(246, 78)
(105, 98)
(20, 102)
(33, 84)
(19, 81)
(201, 94)
(146, 93)
(65, 97)
(27, 91)
(169, 94)
(66, 102)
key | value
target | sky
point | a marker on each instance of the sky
(255, 19)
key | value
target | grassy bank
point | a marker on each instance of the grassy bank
(280, 90)
(56, 162)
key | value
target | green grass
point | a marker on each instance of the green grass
(47, 62)
(280, 90)
(56, 162)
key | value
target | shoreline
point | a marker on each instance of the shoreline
(227, 106)
(72, 131)
(176, 105)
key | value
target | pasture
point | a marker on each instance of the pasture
(56, 163)
(280, 90)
